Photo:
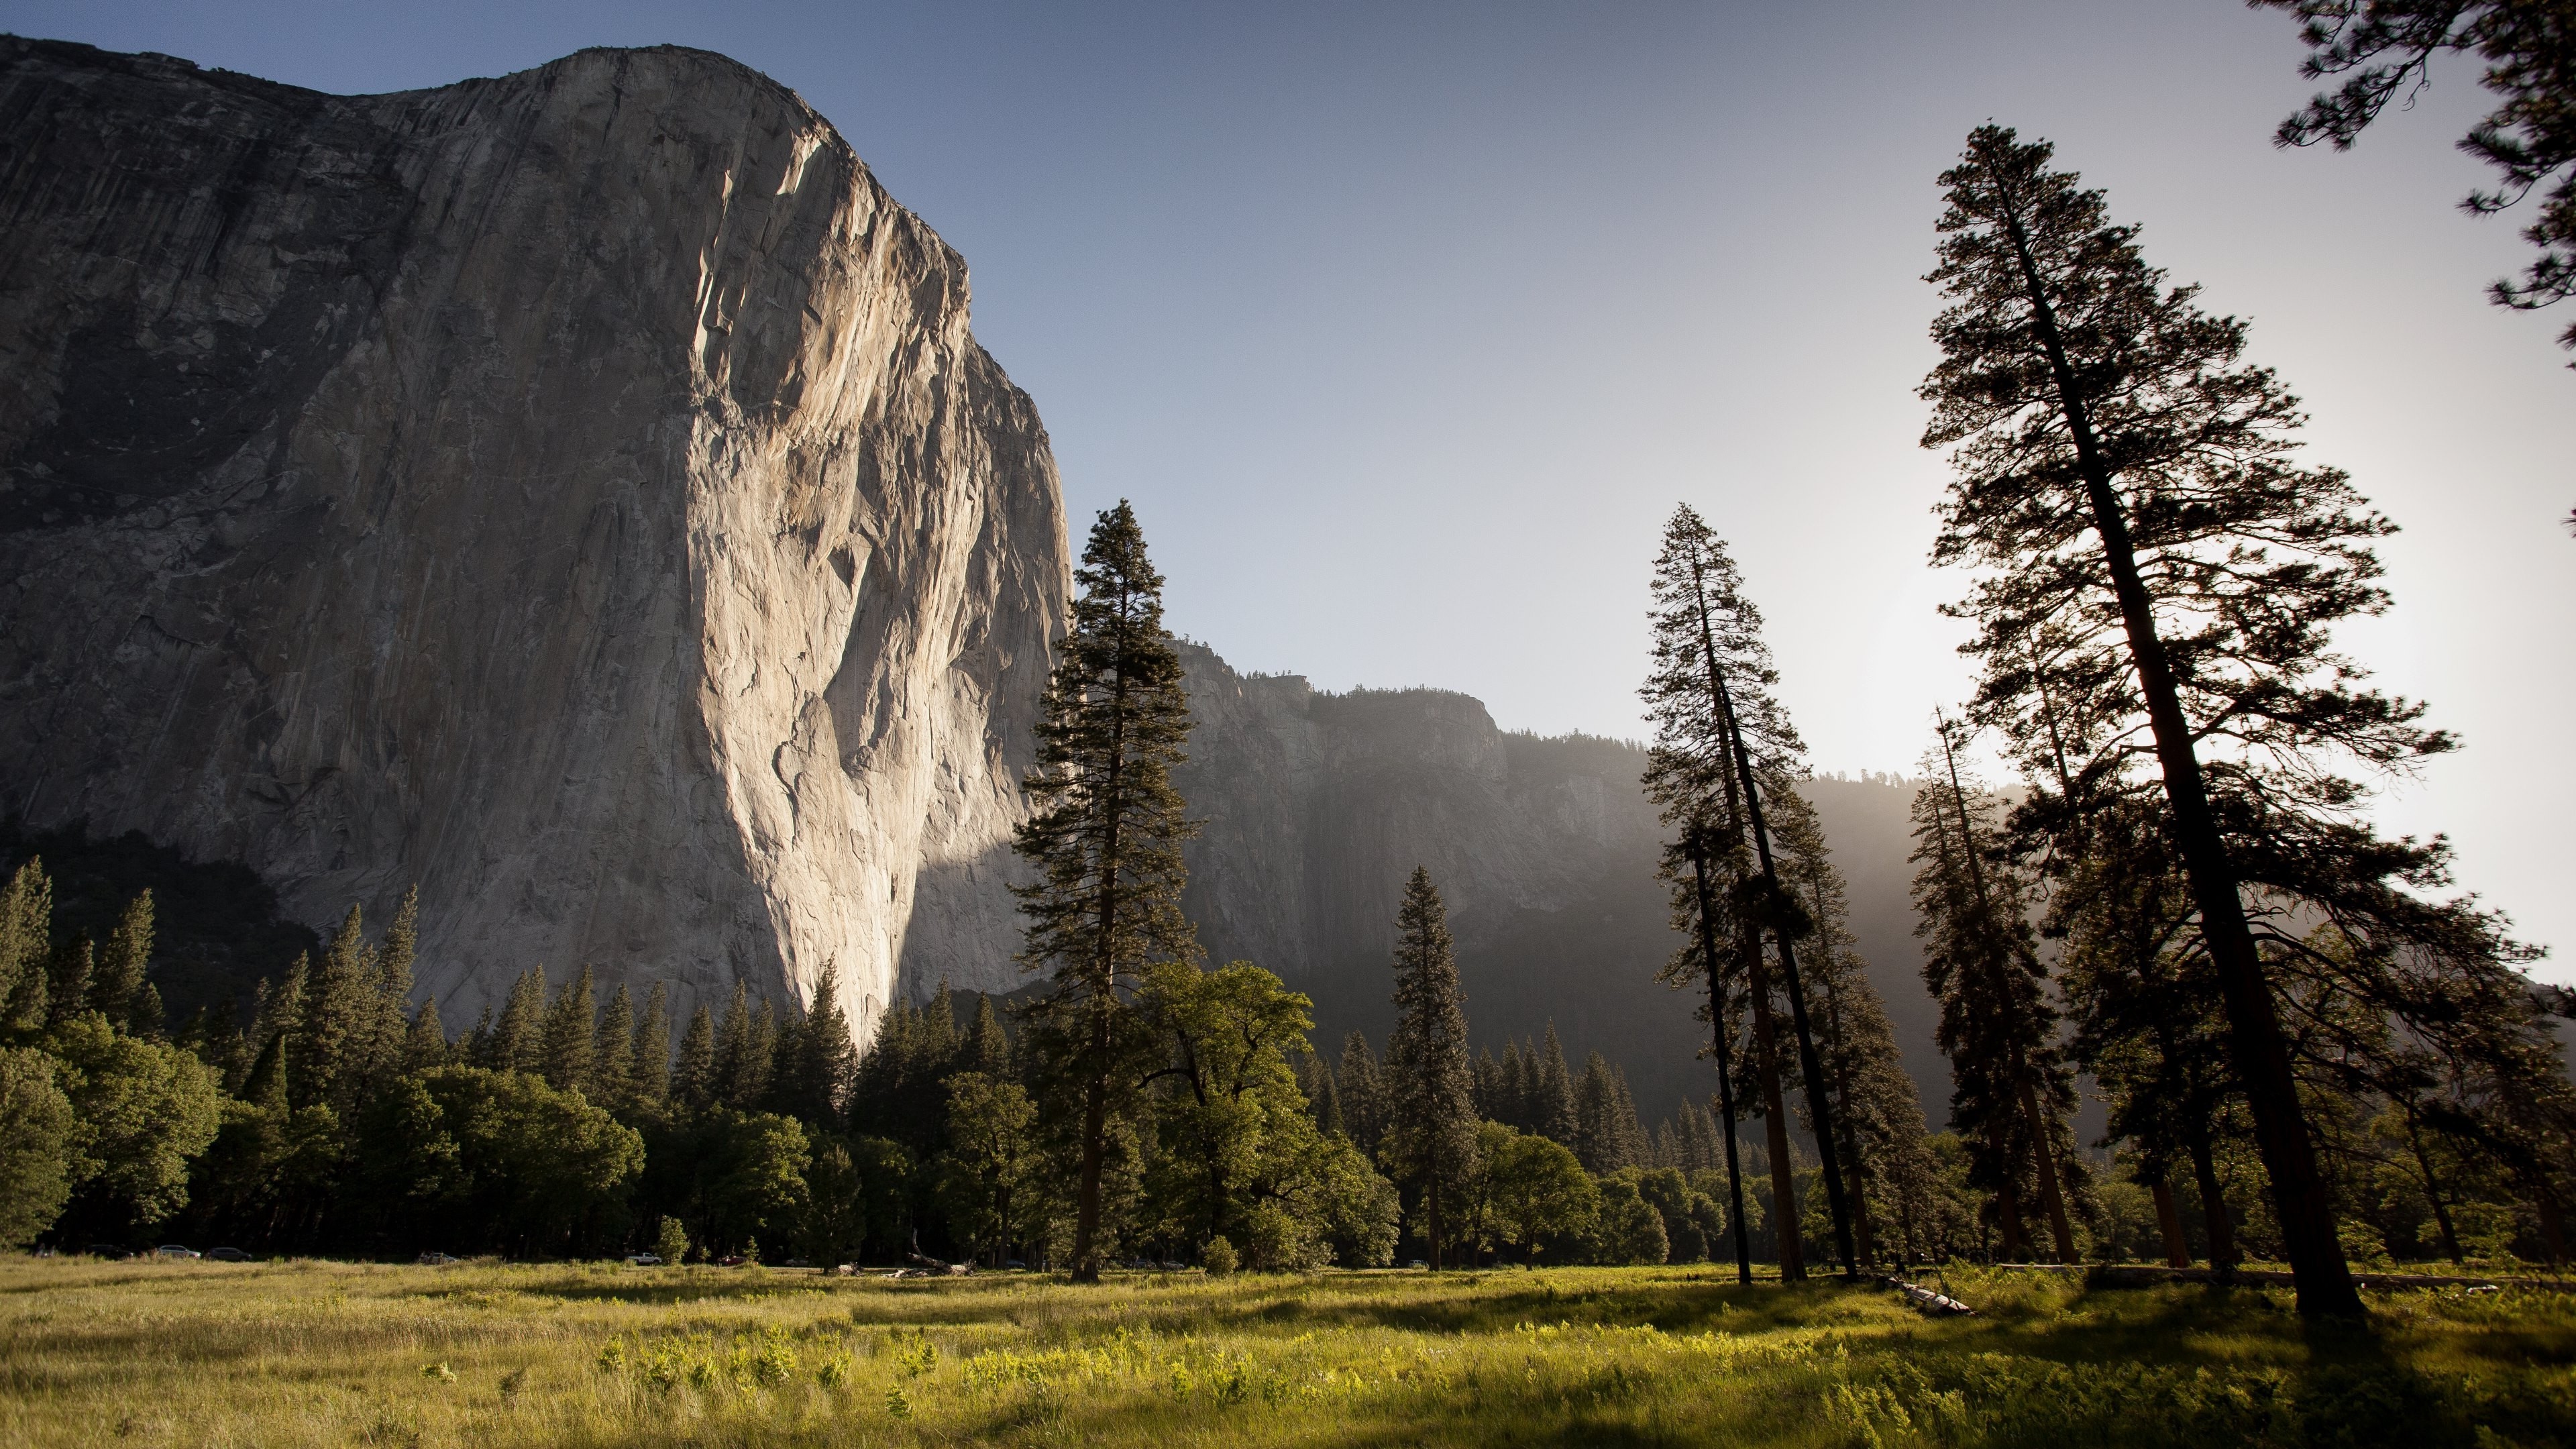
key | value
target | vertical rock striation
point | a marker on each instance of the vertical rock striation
(577, 493)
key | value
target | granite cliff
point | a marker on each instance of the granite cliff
(577, 493)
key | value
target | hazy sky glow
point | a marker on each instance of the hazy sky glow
(1405, 326)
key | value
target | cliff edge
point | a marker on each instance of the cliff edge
(577, 493)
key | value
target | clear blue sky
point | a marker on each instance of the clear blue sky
(1405, 325)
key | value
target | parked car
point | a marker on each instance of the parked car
(437, 1260)
(228, 1255)
(109, 1251)
(176, 1250)
(730, 1260)
(644, 1260)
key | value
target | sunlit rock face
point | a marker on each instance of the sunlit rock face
(576, 493)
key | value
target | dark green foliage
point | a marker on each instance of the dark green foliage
(516, 1042)
(650, 1055)
(815, 1063)
(2384, 50)
(1530, 1197)
(566, 1041)
(37, 1135)
(1105, 838)
(488, 1160)
(1361, 1094)
(143, 1110)
(1607, 1135)
(216, 925)
(693, 1076)
(1430, 1143)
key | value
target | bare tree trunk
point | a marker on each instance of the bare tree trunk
(2433, 1195)
(1718, 1031)
(2043, 1153)
(2169, 1222)
(2015, 1246)
(1775, 1125)
(2213, 1205)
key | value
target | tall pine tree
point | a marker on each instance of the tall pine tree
(1431, 1109)
(1721, 742)
(1105, 837)
(2011, 1092)
(2159, 577)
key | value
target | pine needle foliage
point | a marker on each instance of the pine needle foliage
(1105, 838)
(2384, 49)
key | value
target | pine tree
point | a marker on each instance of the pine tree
(2149, 1023)
(1982, 963)
(1722, 742)
(26, 942)
(735, 1070)
(1105, 837)
(566, 1049)
(120, 985)
(649, 1060)
(1359, 1085)
(339, 1021)
(2156, 568)
(389, 1035)
(760, 1060)
(1431, 1111)
(814, 1082)
(694, 1079)
(1607, 1134)
(987, 1047)
(1552, 1107)
(612, 1051)
(75, 965)
(281, 1012)
(425, 1044)
(516, 1041)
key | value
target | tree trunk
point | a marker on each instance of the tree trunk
(2254, 1026)
(1432, 1203)
(1810, 1073)
(1717, 1030)
(2213, 1205)
(2008, 1224)
(2169, 1222)
(1775, 1126)
(2043, 1154)
(2553, 1223)
(2433, 1195)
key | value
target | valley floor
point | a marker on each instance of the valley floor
(312, 1353)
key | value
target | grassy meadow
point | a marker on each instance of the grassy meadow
(321, 1353)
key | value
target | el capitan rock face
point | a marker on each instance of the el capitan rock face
(577, 493)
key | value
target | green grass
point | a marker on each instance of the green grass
(331, 1353)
